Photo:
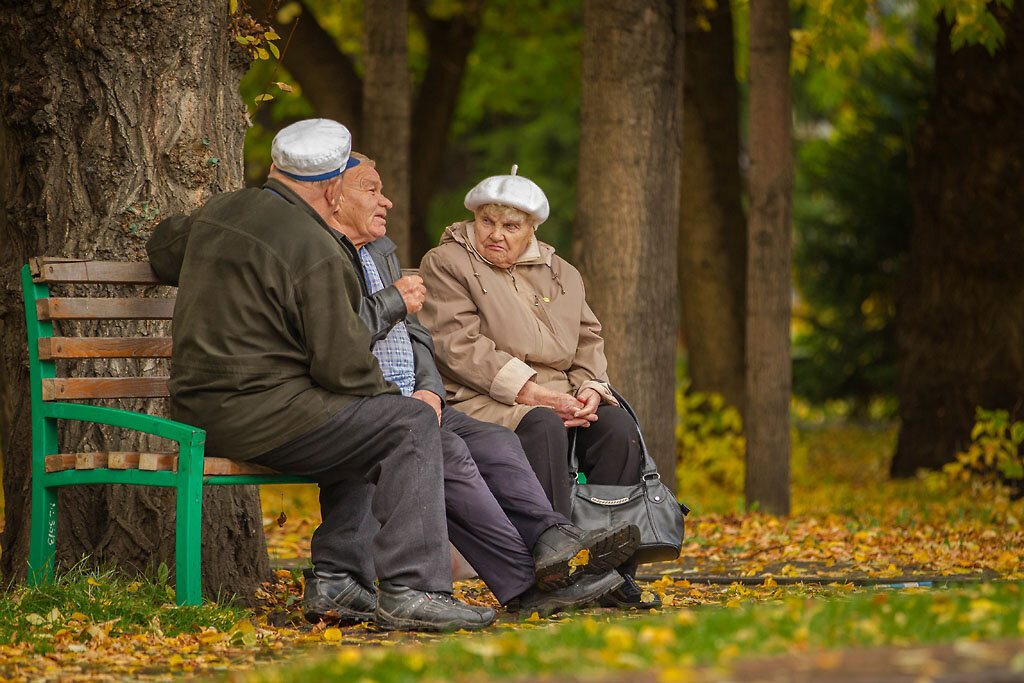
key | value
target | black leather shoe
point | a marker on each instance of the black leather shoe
(631, 596)
(404, 609)
(336, 598)
(558, 557)
(545, 603)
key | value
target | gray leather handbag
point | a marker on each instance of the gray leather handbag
(649, 504)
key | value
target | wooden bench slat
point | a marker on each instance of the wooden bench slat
(52, 270)
(104, 347)
(63, 388)
(152, 462)
(83, 308)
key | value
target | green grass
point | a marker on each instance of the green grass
(82, 600)
(702, 636)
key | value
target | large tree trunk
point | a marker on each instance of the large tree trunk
(386, 108)
(769, 370)
(959, 324)
(712, 227)
(627, 207)
(111, 113)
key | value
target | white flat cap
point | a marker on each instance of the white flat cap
(314, 149)
(510, 190)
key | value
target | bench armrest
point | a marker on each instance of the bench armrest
(187, 436)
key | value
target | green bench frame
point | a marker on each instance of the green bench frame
(187, 478)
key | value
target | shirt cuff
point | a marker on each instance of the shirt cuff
(602, 389)
(510, 380)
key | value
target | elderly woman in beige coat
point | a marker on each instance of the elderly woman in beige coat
(518, 345)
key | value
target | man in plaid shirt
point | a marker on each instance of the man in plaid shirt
(498, 515)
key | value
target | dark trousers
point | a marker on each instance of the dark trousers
(608, 451)
(379, 467)
(496, 507)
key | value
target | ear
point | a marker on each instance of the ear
(332, 193)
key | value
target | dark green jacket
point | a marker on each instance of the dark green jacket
(268, 343)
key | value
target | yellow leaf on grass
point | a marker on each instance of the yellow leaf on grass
(769, 582)
(332, 635)
(78, 616)
(175, 660)
(93, 582)
(35, 619)
(534, 617)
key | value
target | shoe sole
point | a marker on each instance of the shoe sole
(400, 624)
(606, 552)
(602, 588)
(612, 549)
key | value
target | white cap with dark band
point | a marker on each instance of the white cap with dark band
(314, 149)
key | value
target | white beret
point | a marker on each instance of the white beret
(510, 190)
(314, 149)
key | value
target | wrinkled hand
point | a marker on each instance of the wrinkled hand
(431, 399)
(413, 292)
(591, 400)
(565, 405)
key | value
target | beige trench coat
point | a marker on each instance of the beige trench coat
(495, 328)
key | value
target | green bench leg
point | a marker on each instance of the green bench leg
(188, 542)
(42, 535)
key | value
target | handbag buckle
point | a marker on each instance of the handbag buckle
(648, 477)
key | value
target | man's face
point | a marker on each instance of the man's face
(362, 212)
(500, 237)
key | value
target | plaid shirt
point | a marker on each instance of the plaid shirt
(393, 352)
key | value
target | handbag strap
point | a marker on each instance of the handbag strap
(648, 468)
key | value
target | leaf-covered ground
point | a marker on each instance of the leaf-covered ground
(851, 531)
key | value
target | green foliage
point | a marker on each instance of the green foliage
(519, 105)
(95, 604)
(672, 643)
(710, 448)
(995, 456)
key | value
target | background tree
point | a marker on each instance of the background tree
(768, 368)
(113, 117)
(627, 208)
(326, 59)
(712, 225)
(386, 109)
(961, 337)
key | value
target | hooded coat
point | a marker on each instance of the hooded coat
(496, 328)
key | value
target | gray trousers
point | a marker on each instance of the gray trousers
(379, 467)
(496, 507)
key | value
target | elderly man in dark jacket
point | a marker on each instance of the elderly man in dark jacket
(502, 522)
(272, 360)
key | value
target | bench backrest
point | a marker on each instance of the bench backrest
(49, 346)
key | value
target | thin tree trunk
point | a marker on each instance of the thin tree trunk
(769, 371)
(450, 42)
(111, 119)
(387, 108)
(959, 325)
(627, 208)
(712, 226)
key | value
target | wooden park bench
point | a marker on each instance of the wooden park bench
(187, 471)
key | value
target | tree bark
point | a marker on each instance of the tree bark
(627, 207)
(113, 116)
(450, 42)
(959, 329)
(769, 370)
(386, 109)
(712, 226)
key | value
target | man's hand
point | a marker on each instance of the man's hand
(430, 398)
(413, 293)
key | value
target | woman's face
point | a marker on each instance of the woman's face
(502, 234)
